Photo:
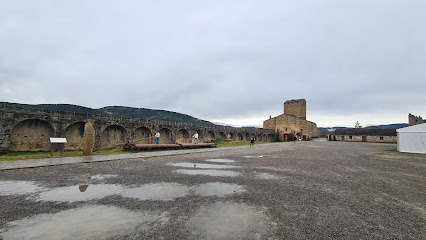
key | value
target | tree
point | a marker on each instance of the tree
(358, 125)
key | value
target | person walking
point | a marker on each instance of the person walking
(157, 138)
(195, 137)
(251, 141)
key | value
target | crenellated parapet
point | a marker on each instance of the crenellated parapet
(414, 120)
(24, 129)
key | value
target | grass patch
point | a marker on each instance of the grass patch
(39, 155)
(224, 143)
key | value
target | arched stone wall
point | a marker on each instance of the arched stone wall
(142, 135)
(247, 136)
(182, 136)
(200, 135)
(74, 134)
(240, 137)
(231, 135)
(65, 124)
(165, 136)
(210, 136)
(31, 135)
(113, 136)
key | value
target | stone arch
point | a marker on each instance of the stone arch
(269, 138)
(265, 137)
(259, 137)
(247, 136)
(200, 135)
(240, 137)
(142, 135)
(165, 136)
(210, 136)
(74, 134)
(113, 136)
(182, 136)
(231, 135)
(31, 135)
(222, 135)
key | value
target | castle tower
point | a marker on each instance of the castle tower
(295, 107)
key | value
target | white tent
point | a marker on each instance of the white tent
(412, 139)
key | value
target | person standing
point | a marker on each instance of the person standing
(195, 137)
(251, 141)
(157, 138)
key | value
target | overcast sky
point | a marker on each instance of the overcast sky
(225, 61)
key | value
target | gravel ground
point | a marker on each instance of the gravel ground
(303, 190)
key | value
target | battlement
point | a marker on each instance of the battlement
(414, 120)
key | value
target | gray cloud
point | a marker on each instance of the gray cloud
(219, 59)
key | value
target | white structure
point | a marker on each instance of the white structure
(412, 139)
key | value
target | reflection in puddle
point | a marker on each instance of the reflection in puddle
(265, 176)
(201, 165)
(220, 160)
(75, 193)
(90, 222)
(83, 188)
(157, 191)
(18, 187)
(228, 221)
(214, 173)
(218, 189)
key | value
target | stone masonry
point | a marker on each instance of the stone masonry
(293, 121)
(24, 129)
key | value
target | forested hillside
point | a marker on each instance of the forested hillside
(118, 111)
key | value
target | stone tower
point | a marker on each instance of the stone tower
(295, 108)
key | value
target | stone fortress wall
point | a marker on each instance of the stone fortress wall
(414, 120)
(23, 129)
(293, 121)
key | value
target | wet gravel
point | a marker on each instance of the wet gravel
(303, 190)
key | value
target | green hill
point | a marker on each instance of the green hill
(117, 111)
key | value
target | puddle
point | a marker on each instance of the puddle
(265, 156)
(80, 193)
(202, 165)
(220, 160)
(265, 176)
(218, 189)
(18, 187)
(214, 173)
(89, 222)
(228, 221)
(157, 191)
(102, 177)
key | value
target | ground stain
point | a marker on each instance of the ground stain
(89, 222)
(220, 160)
(18, 188)
(214, 173)
(157, 191)
(266, 176)
(218, 189)
(202, 165)
(80, 193)
(227, 220)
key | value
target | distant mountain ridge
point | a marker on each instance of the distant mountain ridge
(117, 111)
